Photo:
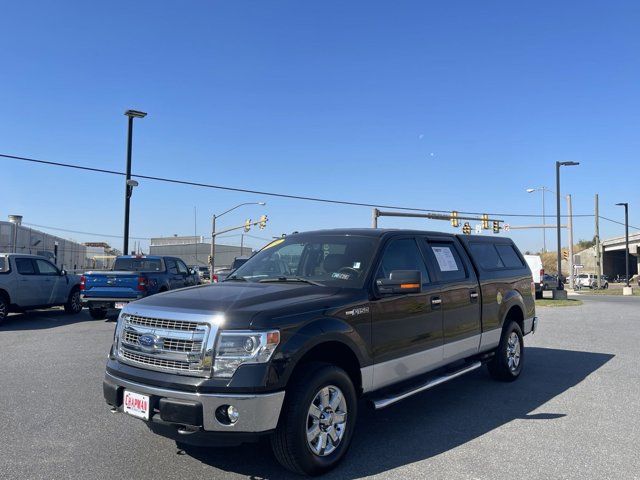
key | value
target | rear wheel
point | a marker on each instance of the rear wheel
(508, 360)
(74, 303)
(4, 308)
(317, 422)
(98, 313)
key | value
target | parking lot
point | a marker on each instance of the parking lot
(575, 412)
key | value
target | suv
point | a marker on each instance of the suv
(290, 341)
(590, 280)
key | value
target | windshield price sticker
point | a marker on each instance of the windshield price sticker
(445, 258)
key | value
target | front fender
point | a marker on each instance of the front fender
(316, 332)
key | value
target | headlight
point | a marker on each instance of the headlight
(235, 348)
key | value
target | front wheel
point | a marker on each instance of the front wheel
(317, 422)
(98, 313)
(4, 309)
(74, 303)
(506, 365)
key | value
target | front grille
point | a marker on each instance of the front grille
(161, 323)
(176, 345)
(156, 362)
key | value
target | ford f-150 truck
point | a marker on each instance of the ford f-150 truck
(132, 278)
(31, 281)
(289, 342)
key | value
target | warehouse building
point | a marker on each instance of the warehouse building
(195, 251)
(17, 238)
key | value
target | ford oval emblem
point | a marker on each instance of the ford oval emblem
(148, 341)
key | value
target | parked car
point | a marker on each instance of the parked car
(238, 262)
(590, 280)
(31, 281)
(204, 273)
(537, 271)
(220, 274)
(549, 281)
(379, 314)
(132, 277)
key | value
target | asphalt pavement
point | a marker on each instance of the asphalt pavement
(574, 413)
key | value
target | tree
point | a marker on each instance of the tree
(584, 244)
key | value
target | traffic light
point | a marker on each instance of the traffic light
(247, 225)
(565, 255)
(466, 228)
(263, 222)
(209, 259)
(496, 226)
(454, 219)
(485, 221)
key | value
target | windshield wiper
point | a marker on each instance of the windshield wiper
(235, 278)
(291, 279)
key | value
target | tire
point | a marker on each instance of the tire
(297, 423)
(507, 363)
(98, 313)
(74, 304)
(538, 295)
(4, 308)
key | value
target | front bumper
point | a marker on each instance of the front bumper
(197, 411)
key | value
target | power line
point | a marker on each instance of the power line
(259, 192)
(82, 233)
(619, 223)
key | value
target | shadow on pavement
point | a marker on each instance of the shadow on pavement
(435, 421)
(50, 318)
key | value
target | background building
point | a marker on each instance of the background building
(15, 237)
(100, 255)
(194, 251)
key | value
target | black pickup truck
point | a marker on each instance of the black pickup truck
(290, 342)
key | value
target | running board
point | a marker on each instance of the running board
(390, 400)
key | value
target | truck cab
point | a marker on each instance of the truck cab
(290, 341)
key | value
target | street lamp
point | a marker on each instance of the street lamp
(558, 165)
(626, 241)
(544, 217)
(213, 232)
(128, 185)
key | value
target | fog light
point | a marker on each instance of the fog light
(233, 414)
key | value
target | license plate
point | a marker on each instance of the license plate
(136, 404)
(121, 304)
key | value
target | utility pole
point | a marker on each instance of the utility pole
(374, 218)
(570, 235)
(213, 247)
(626, 290)
(597, 238)
(129, 184)
(242, 244)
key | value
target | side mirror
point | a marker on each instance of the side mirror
(400, 282)
(63, 273)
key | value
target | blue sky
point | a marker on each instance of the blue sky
(444, 105)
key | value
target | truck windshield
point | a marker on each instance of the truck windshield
(333, 260)
(138, 264)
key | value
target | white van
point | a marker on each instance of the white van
(537, 272)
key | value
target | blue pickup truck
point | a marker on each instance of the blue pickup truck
(132, 278)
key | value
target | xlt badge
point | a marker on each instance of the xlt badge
(357, 311)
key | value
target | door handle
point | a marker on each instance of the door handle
(436, 302)
(473, 295)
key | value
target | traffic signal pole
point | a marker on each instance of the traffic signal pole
(454, 218)
(570, 235)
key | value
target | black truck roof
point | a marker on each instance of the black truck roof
(380, 232)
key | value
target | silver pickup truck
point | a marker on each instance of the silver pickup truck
(31, 281)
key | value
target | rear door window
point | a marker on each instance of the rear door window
(25, 266)
(447, 260)
(486, 255)
(509, 256)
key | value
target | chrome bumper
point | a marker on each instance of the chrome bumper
(258, 413)
(530, 325)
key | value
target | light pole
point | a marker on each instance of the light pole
(626, 242)
(558, 165)
(544, 217)
(213, 232)
(128, 185)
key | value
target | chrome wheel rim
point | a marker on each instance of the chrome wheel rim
(76, 304)
(513, 351)
(326, 421)
(3, 310)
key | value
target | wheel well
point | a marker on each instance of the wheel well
(162, 289)
(515, 314)
(335, 353)
(5, 296)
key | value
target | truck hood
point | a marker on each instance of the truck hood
(240, 303)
